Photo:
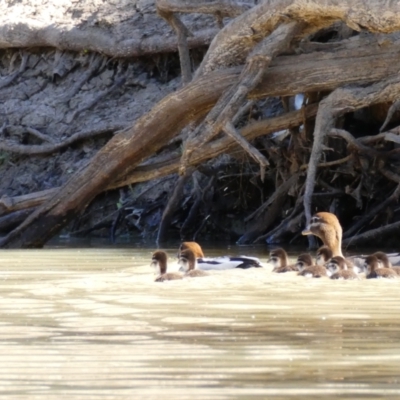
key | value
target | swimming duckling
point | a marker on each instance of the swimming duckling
(159, 262)
(314, 271)
(304, 261)
(376, 270)
(219, 263)
(324, 254)
(279, 259)
(339, 270)
(188, 261)
(385, 262)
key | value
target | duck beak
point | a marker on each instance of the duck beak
(306, 231)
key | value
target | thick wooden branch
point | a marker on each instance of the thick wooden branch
(225, 8)
(37, 33)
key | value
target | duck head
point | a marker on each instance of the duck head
(371, 264)
(304, 261)
(187, 260)
(327, 227)
(194, 246)
(383, 259)
(336, 264)
(278, 258)
(159, 262)
(324, 254)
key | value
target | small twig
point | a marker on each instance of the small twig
(182, 33)
(251, 150)
(8, 145)
(330, 163)
(40, 135)
(393, 108)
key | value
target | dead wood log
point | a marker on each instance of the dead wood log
(373, 212)
(373, 234)
(34, 33)
(174, 112)
(10, 221)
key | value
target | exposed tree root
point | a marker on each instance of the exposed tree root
(11, 146)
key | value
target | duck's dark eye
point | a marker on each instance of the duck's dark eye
(314, 220)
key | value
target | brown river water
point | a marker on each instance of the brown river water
(92, 324)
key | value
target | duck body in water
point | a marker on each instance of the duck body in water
(188, 262)
(339, 270)
(218, 263)
(280, 261)
(309, 269)
(159, 262)
(375, 270)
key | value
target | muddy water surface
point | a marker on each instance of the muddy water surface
(93, 324)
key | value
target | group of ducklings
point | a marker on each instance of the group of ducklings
(186, 259)
(329, 258)
(376, 265)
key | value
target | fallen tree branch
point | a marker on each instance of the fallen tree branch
(36, 33)
(373, 213)
(373, 234)
(12, 147)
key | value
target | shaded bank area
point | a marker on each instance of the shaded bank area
(110, 131)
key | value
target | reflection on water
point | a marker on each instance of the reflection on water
(92, 324)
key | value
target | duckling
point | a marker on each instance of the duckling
(188, 261)
(159, 262)
(219, 263)
(307, 267)
(339, 270)
(279, 259)
(375, 270)
(304, 261)
(385, 262)
(324, 254)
